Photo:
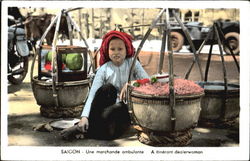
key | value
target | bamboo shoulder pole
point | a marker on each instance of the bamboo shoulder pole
(54, 60)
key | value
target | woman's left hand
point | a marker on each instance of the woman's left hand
(124, 93)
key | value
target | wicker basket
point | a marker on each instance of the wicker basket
(154, 113)
(70, 95)
(219, 106)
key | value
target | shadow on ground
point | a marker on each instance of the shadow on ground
(22, 133)
(25, 86)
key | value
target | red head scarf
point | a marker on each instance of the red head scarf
(127, 39)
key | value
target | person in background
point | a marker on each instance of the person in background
(105, 115)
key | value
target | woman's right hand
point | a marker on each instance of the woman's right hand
(123, 93)
(83, 124)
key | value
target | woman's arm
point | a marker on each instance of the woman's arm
(139, 73)
(97, 83)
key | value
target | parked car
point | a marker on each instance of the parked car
(198, 33)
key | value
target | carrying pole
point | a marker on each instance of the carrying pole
(198, 52)
(209, 55)
(54, 60)
(222, 114)
(222, 57)
(162, 52)
(40, 45)
(171, 75)
(143, 41)
(226, 43)
(69, 28)
(196, 58)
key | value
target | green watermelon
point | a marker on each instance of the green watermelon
(49, 57)
(74, 61)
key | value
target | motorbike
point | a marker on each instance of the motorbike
(18, 52)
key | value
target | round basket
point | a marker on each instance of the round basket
(71, 96)
(219, 106)
(154, 113)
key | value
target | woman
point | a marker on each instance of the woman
(105, 116)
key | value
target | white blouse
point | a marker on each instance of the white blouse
(116, 75)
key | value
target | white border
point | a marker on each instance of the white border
(54, 153)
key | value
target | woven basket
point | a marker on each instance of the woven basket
(219, 107)
(154, 113)
(71, 96)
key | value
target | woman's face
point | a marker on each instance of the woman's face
(117, 51)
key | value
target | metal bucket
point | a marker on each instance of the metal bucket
(69, 93)
(218, 104)
(154, 113)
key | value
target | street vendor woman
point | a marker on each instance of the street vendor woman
(105, 115)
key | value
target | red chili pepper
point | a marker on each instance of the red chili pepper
(143, 81)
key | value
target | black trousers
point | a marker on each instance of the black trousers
(107, 119)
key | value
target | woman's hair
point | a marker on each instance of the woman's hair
(127, 39)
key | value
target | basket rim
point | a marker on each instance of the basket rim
(236, 87)
(137, 94)
(69, 83)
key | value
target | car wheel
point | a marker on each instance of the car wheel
(233, 39)
(177, 41)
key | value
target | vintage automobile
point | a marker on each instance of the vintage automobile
(198, 33)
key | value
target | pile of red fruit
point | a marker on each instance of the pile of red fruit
(181, 87)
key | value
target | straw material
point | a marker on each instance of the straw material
(177, 138)
(58, 112)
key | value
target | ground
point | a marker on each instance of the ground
(24, 114)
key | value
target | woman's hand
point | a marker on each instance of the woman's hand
(83, 124)
(77, 131)
(124, 93)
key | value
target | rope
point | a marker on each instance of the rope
(177, 138)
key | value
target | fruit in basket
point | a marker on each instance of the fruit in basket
(181, 87)
(49, 57)
(74, 61)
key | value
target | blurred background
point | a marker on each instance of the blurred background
(94, 22)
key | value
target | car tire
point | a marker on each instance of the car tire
(177, 41)
(233, 38)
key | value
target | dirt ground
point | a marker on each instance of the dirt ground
(24, 113)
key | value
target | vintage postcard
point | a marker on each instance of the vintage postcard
(125, 80)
